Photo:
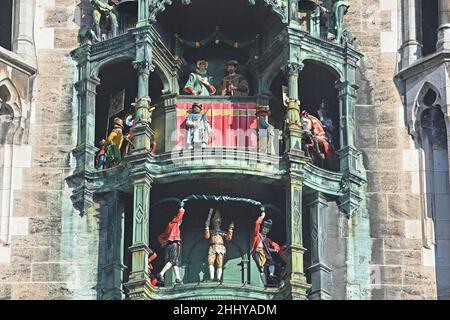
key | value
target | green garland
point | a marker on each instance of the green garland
(217, 36)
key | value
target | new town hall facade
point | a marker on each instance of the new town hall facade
(302, 144)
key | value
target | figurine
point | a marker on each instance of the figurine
(319, 20)
(104, 8)
(327, 122)
(199, 129)
(315, 135)
(153, 279)
(170, 240)
(262, 248)
(264, 130)
(114, 144)
(216, 238)
(234, 84)
(335, 27)
(101, 156)
(199, 84)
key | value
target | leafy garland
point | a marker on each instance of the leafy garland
(216, 37)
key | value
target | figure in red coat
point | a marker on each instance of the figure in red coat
(314, 129)
(263, 246)
(170, 240)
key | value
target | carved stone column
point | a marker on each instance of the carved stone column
(112, 220)
(411, 48)
(139, 282)
(296, 285)
(319, 271)
(23, 32)
(443, 42)
(292, 121)
(350, 158)
(143, 13)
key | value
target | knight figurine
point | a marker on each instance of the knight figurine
(315, 135)
(199, 130)
(234, 84)
(107, 9)
(199, 83)
(216, 237)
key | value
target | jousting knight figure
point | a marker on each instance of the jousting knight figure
(216, 239)
(170, 240)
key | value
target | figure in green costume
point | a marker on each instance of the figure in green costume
(103, 7)
(199, 83)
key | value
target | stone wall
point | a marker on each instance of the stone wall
(400, 267)
(54, 255)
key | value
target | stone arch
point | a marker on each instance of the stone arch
(422, 103)
(335, 69)
(100, 65)
(12, 122)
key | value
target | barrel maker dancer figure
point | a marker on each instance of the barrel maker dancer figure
(170, 240)
(262, 248)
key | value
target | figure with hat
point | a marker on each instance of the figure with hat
(199, 83)
(234, 84)
(114, 144)
(315, 136)
(216, 237)
(199, 130)
(101, 156)
(264, 129)
(263, 247)
(170, 240)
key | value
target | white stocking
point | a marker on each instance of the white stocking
(166, 267)
(219, 273)
(211, 272)
(177, 272)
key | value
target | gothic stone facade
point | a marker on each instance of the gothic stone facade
(392, 249)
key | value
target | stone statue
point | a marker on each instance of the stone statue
(199, 130)
(199, 83)
(216, 239)
(336, 27)
(265, 130)
(170, 240)
(263, 247)
(234, 84)
(315, 136)
(114, 144)
(101, 156)
(105, 8)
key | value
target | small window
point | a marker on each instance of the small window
(429, 26)
(6, 19)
